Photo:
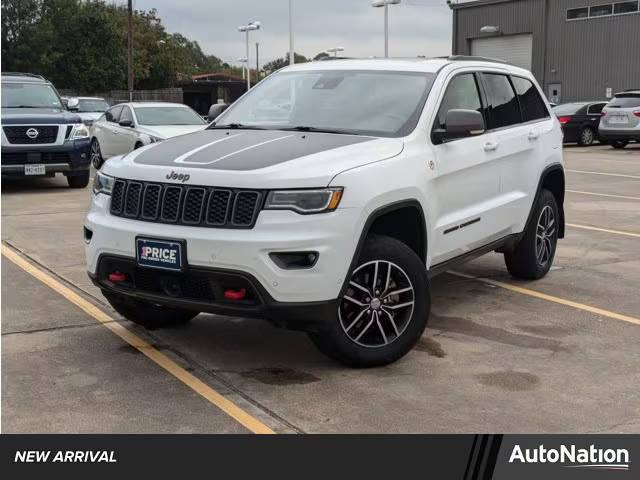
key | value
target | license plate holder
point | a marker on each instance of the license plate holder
(37, 169)
(161, 253)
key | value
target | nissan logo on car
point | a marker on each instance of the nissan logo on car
(32, 133)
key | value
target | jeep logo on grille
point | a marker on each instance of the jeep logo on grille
(32, 133)
(182, 177)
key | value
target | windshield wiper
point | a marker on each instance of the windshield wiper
(29, 106)
(236, 126)
(304, 128)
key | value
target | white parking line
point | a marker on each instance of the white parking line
(606, 230)
(635, 177)
(624, 197)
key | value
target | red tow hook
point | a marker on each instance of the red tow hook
(235, 294)
(117, 277)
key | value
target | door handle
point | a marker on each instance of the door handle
(490, 146)
(533, 136)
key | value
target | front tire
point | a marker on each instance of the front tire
(384, 309)
(618, 144)
(146, 314)
(79, 181)
(532, 258)
(586, 137)
(96, 154)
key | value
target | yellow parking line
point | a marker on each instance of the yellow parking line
(606, 230)
(551, 298)
(624, 197)
(201, 388)
(605, 174)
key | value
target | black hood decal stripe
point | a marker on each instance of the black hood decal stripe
(241, 150)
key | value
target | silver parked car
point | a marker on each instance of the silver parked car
(128, 126)
(620, 122)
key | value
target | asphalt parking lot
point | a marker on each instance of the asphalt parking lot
(557, 355)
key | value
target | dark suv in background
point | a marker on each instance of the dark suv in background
(39, 136)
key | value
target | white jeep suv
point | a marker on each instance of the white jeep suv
(327, 197)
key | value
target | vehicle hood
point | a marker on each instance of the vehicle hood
(253, 158)
(90, 115)
(26, 116)
(169, 131)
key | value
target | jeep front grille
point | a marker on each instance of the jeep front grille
(186, 205)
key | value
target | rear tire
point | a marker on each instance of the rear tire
(619, 143)
(532, 258)
(586, 136)
(78, 181)
(376, 326)
(146, 314)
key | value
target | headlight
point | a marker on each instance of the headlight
(304, 201)
(79, 131)
(103, 183)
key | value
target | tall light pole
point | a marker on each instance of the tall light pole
(130, 49)
(292, 59)
(243, 61)
(385, 4)
(335, 51)
(246, 29)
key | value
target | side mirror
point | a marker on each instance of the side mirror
(73, 104)
(125, 123)
(216, 109)
(460, 123)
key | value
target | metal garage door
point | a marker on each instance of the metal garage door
(515, 49)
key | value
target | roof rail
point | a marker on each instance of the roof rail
(476, 58)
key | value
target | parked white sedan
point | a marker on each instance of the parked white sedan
(128, 126)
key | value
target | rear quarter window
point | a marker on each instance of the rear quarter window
(531, 103)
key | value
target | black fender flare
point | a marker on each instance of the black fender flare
(373, 216)
(545, 173)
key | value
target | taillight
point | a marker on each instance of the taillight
(604, 113)
(564, 120)
(637, 113)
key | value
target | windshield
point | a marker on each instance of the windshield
(568, 108)
(368, 102)
(29, 95)
(92, 106)
(167, 116)
(625, 101)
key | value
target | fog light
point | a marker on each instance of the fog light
(294, 260)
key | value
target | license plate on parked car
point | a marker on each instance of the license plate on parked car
(618, 119)
(163, 254)
(35, 169)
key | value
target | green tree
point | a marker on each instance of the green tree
(282, 62)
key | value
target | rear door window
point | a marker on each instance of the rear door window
(531, 103)
(502, 102)
(595, 109)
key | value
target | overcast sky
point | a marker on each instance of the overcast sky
(417, 27)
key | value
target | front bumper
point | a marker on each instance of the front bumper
(333, 235)
(70, 158)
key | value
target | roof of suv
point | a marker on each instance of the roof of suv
(23, 77)
(414, 64)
